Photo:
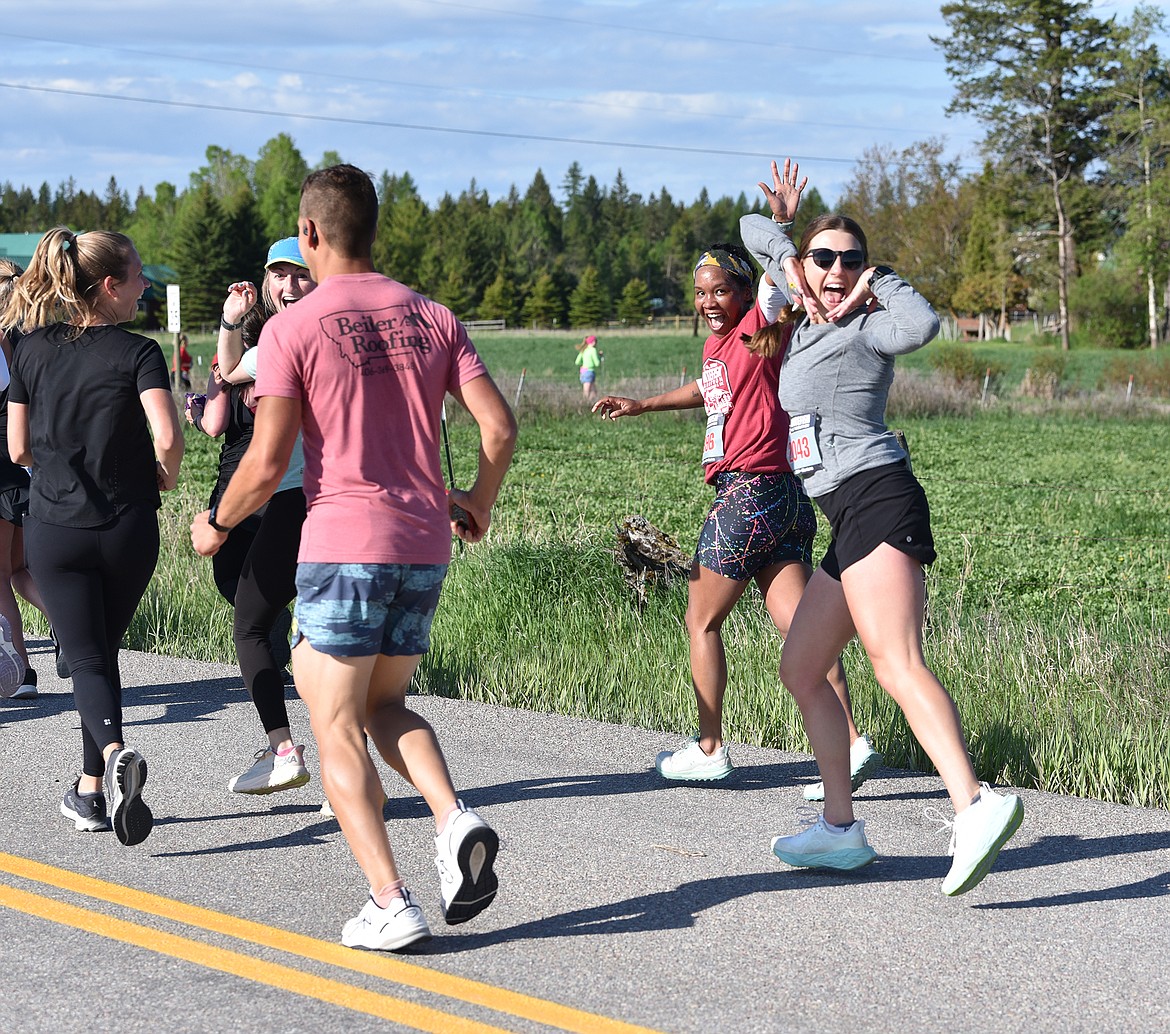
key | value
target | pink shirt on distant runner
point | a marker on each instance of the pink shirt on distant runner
(371, 361)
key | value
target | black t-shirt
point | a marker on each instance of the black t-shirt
(236, 440)
(93, 457)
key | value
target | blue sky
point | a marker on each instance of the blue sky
(678, 95)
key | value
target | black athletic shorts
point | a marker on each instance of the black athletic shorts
(884, 504)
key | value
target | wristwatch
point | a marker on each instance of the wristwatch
(877, 274)
(211, 515)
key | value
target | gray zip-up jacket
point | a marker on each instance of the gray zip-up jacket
(841, 372)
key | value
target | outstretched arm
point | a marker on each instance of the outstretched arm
(613, 406)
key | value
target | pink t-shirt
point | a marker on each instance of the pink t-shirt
(746, 388)
(371, 362)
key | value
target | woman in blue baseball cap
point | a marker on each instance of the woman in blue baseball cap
(256, 568)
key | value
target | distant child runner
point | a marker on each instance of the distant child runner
(90, 409)
(362, 363)
(761, 525)
(834, 385)
(588, 359)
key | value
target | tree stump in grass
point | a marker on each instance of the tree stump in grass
(647, 555)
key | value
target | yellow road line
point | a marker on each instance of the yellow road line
(296, 981)
(376, 964)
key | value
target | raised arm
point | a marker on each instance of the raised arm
(230, 346)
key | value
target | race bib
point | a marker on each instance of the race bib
(804, 455)
(713, 442)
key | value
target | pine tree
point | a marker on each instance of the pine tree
(634, 306)
(589, 305)
(545, 305)
(201, 253)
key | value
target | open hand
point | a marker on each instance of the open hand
(613, 406)
(784, 193)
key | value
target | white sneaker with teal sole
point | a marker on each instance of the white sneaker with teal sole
(819, 847)
(863, 762)
(978, 832)
(690, 763)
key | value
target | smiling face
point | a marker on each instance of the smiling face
(720, 298)
(286, 283)
(123, 294)
(831, 286)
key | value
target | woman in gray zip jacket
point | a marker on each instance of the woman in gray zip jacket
(834, 384)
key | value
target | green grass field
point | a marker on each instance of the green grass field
(1047, 620)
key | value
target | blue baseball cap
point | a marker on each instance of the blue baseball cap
(287, 249)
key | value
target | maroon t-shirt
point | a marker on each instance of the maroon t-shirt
(745, 388)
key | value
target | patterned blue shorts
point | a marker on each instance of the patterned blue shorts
(358, 610)
(756, 521)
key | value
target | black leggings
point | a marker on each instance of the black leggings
(267, 585)
(92, 580)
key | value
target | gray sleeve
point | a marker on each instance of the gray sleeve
(913, 321)
(769, 246)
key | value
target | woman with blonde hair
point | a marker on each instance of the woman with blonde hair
(90, 410)
(13, 506)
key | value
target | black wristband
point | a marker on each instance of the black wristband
(211, 514)
(229, 326)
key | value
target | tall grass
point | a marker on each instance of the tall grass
(1048, 614)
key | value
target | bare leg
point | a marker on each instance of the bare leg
(405, 739)
(818, 632)
(22, 579)
(782, 586)
(336, 690)
(885, 593)
(710, 598)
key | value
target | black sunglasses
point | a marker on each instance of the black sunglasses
(825, 257)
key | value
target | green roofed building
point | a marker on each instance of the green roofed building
(19, 247)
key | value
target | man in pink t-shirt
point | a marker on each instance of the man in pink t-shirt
(362, 365)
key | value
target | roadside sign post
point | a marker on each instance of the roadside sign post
(174, 326)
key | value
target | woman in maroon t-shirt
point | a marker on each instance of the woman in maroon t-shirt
(761, 525)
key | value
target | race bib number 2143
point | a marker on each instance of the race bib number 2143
(804, 454)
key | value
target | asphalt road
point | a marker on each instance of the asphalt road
(624, 903)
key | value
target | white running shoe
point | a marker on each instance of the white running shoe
(977, 834)
(863, 761)
(12, 668)
(397, 926)
(818, 847)
(690, 763)
(272, 772)
(464, 854)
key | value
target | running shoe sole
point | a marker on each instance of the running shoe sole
(130, 817)
(844, 859)
(478, 883)
(988, 860)
(710, 775)
(291, 784)
(405, 939)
